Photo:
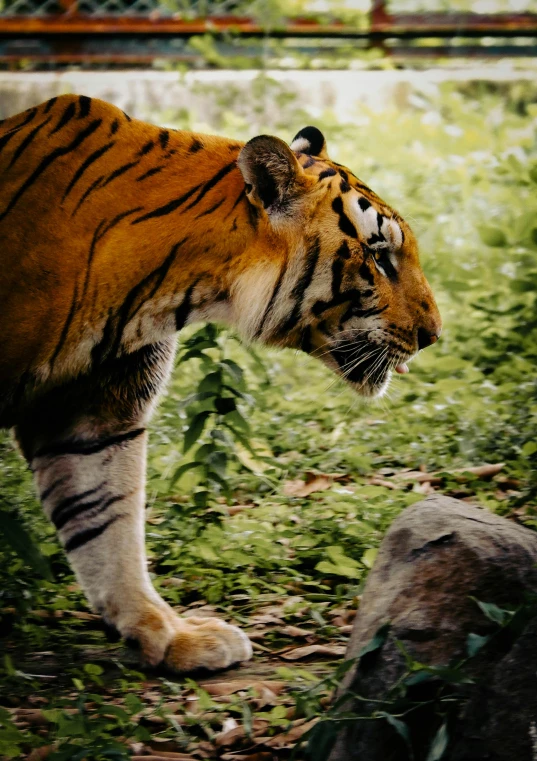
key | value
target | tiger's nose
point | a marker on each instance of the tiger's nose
(426, 339)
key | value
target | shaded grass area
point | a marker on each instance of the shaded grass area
(282, 545)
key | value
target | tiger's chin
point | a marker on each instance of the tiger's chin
(369, 374)
(371, 390)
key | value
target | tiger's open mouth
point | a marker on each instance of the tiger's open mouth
(368, 369)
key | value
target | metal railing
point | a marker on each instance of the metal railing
(138, 31)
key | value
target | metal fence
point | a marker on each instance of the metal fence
(88, 32)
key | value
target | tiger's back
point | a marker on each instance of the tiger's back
(76, 174)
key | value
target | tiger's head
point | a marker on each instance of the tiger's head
(351, 290)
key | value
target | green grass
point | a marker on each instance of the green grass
(462, 168)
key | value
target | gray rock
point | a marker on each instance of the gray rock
(436, 557)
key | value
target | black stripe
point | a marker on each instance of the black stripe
(88, 446)
(85, 104)
(118, 172)
(344, 186)
(117, 219)
(211, 183)
(305, 341)
(345, 225)
(82, 507)
(366, 274)
(353, 295)
(76, 510)
(69, 502)
(272, 299)
(99, 350)
(94, 185)
(253, 215)
(326, 173)
(158, 276)
(48, 159)
(92, 158)
(149, 173)
(364, 204)
(12, 132)
(163, 137)
(97, 235)
(53, 486)
(210, 210)
(49, 104)
(343, 251)
(337, 277)
(83, 537)
(146, 148)
(239, 198)
(196, 146)
(66, 117)
(127, 117)
(27, 140)
(114, 127)
(302, 285)
(183, 310)
(66, 326)
(167, 208)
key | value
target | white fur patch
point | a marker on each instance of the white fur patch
(300, 145)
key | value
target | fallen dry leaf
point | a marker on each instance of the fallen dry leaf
(299, 728)
(295, 631)
(481, 471)
(301, 488)
(238, 733)
(239, 756)
(314, 482)
(374, 481)
(227, 688)
(304, 652)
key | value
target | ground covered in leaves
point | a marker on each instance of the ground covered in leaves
(271, 485)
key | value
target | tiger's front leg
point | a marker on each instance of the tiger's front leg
(91, 481)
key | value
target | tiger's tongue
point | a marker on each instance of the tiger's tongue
(402, 369)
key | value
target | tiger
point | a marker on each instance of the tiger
(115, 234)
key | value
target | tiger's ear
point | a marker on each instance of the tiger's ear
(271, 173)
(310, 140)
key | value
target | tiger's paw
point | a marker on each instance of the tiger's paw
(207, 643)
(187, 644)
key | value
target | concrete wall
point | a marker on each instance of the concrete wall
(151, 94)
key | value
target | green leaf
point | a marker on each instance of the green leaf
(368, 558)
(20, 541)
(212, 383)
(498, 615)
(529, 448)
(233, 369)
(492, 236)
(194, 430)
(346, 571)
(439, 744)
(533, 174)
(217, 461)
(133, 703)
(474, 643)
(183, 469)
(236, 420)
(401, 728)
(377, 641)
